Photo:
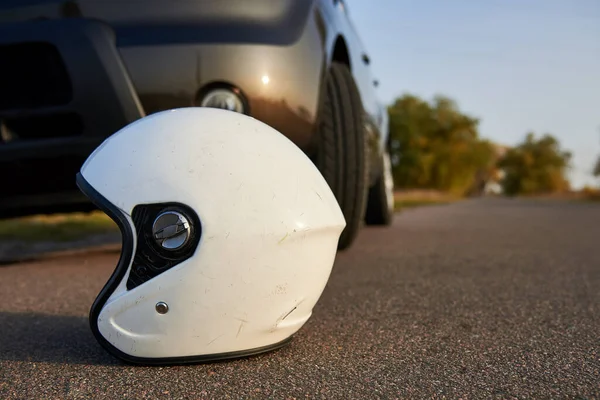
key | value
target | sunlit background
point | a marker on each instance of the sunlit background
(518, 65)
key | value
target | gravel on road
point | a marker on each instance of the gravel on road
(488, 298)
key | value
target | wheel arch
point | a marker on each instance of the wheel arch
(340, 52)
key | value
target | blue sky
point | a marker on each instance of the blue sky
(518, 65)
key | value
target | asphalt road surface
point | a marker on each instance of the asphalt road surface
(489, 298)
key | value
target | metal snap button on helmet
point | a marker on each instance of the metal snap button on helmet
(162, 307)
(171, 230)
(228, 241)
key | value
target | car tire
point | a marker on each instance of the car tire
(380, 206)
(342, 151)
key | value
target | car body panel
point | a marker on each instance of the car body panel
(276, 52)
(62, 121)
(288, 101)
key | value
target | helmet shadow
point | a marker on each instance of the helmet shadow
(37, 337)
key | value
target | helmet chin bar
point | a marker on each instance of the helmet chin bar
(151, 258)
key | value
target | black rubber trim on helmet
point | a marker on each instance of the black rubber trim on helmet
(117, 276)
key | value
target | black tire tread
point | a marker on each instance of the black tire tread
(377, 213)
(342, 159)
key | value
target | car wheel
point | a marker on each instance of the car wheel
(380, 206)
(342, 150)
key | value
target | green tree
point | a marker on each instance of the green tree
(436, 146)
(535, 166)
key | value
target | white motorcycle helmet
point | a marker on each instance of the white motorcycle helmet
(229, 237)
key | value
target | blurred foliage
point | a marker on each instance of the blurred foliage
(596, 171)
(436, 146)
(535, 166)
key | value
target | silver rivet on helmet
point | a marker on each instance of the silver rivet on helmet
(171, 230)
(162, 307)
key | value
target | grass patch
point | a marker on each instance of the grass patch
(591, 194)
(591, 199)
(400, 204)
(421, 198)
(76, 226)
(56, 228)
(585, 195)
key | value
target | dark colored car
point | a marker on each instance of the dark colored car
(297, 65)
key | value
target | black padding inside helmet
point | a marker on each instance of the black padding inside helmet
(151, 260)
